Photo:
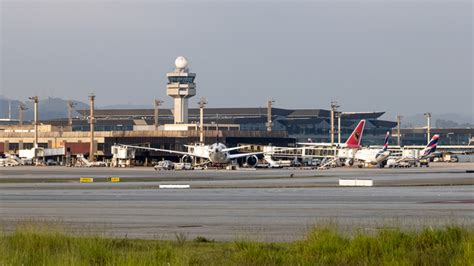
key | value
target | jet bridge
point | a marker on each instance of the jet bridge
(306, 154)
(310, 152)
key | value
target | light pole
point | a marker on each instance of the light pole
(70, 107)
(428, 126)
(9, 110)
(35, 121)
(334, 107)
(91, 123)
(399, 122)
(21, 116)
(202, 103)
(269, 123)
(158, 102)
(339, 128)
(35, 145)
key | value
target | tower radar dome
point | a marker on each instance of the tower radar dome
(180, 62)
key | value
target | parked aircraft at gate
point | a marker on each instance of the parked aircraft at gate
(373, 156)
(353, 142)
(415, 157)
(216, 153)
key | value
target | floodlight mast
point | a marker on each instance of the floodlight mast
(334, 107)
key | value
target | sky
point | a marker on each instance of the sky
(403, 57)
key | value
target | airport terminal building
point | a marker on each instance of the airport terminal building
(448, 136)
(180, 125)
(235, 126)
(300, 124)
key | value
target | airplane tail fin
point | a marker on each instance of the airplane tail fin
(431, 147)
(356, 136)
(385, 143)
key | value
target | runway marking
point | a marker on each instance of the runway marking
(356, 182)
(86, 180)
(468, 201)
(174, 186)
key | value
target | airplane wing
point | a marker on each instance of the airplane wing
(162, 150)
(235, 148)
(240, 155)
(322, 145)
(284, 149)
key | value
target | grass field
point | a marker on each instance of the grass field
(46, 245)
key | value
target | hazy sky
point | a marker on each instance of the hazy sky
(397, 56)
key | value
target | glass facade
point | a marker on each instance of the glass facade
(445, 138)
(103, 128)
(183, 80)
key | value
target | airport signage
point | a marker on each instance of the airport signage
(113, 179)
(86, 180)
(356, 182)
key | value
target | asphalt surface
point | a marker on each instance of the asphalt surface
(264, 205)
(62, 177)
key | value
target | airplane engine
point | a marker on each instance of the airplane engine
(251, 160)
(392, 163)
(349, 162)
(187, 159)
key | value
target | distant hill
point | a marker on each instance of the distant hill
(449, 120)
(53, 108)
(50, 108)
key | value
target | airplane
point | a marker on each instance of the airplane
(353, 142)
(373, 156)
(216, 153)
(430, 148)
(413, 157)
(345, 151)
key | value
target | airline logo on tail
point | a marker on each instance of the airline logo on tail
(354, 140)
(385, 143)
(383, 153)
(431, 147)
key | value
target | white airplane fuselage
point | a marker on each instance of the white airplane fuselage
(217, 153)
(371, 156)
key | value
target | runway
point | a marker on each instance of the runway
(62, 177)
(261, 205)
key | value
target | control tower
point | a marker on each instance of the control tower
(181, 86)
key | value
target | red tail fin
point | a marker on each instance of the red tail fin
(356, 136)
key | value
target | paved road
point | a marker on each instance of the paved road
(57, 172)
(224, 214)
(61, 177)
(262, 204)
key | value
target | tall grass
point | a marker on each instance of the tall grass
(322, 246)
